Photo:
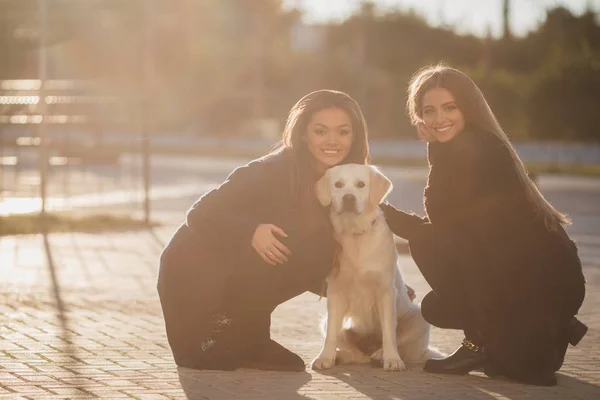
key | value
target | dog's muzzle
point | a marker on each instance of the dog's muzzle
(349, 203)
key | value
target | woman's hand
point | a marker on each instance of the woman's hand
(424, 133)
(267, 246)
(411, 293)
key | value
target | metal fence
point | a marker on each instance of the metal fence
(64, 157)
(53, 149)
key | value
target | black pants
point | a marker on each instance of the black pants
(447, 306)
(436, 256)
(218, 316)
(212, 339)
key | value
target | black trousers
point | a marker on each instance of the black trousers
(447, 306)
(436, 256)
(219, 316)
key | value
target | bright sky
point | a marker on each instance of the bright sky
(466, 16)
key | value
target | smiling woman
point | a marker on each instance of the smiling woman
(494, 251)
(259, 239)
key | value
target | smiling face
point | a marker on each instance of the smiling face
(329, 137)
(441, 114)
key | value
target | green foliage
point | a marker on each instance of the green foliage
(564, 102)
(218, 63)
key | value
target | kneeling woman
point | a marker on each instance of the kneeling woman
(493, 250)
(259, 239)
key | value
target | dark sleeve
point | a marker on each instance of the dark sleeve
(401, 223)
(471, 179)
(313, 257)
(232, 211)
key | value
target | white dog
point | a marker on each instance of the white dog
(367, 300)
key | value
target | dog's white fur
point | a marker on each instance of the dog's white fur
(367, 295)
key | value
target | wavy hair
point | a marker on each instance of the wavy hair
(478, 115)
(303, 175)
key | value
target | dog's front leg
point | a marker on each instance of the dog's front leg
(336, 309)
(386, 305)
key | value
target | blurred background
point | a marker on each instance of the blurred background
(137, 91)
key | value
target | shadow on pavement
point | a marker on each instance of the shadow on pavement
(242, 384)
(570, 386)
(65, 335)
(60, 306)
(413, 383)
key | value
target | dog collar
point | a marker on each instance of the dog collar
(362, 232)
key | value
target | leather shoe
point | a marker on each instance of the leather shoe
(466, 358)
(272, 356)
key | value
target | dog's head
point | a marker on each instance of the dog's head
(352, 188)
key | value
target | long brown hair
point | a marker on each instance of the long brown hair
(303, 176)
(479, 116)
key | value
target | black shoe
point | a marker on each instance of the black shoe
(272, 356)
(466, 358)
(576, 330)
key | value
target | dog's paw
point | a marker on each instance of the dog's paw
(393, 364)
(322, 362)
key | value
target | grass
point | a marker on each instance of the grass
(23, 224)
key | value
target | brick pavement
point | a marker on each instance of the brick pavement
(80, 318)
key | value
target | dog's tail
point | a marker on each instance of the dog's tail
(323, 326)
(427, 354)
(432, 352)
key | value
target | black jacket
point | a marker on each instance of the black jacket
(210, 257)
(523, 282)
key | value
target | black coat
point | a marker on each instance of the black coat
(521, 281)
(209, 266)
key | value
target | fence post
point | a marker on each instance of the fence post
(42, 107)
(147, 79)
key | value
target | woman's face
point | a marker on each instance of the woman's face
(441, 115)
(329, 137)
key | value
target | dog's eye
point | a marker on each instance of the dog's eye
(360, 184)
(339, 184)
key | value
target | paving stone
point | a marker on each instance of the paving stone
(89, 325)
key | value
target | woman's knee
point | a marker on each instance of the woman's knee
(436, 312)
(429, 307)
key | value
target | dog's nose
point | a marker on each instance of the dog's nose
(349, 202)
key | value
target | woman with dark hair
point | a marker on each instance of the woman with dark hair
(494, 251)
(258, 240)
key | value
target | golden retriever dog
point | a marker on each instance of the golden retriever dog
(369, 313)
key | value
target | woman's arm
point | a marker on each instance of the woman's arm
(401, 223)
(232, 211)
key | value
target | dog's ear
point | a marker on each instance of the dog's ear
(380, 187)
(323, 191)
